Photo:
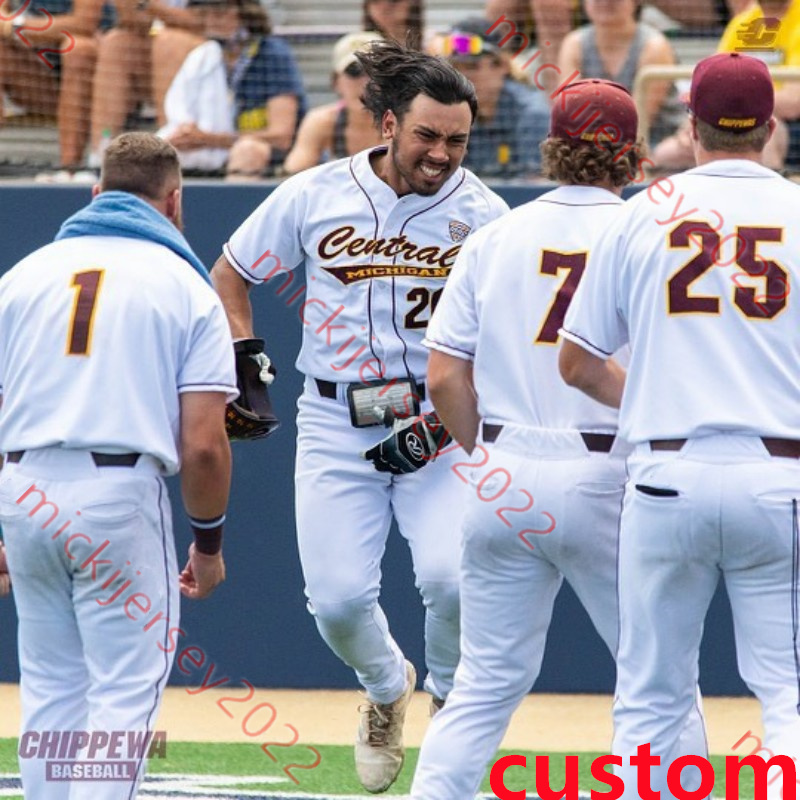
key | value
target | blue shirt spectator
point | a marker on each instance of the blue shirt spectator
(265, 69)
(507, 145)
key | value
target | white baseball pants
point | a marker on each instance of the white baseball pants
(344, 508)
(508, 591)
(733, 515)
(91, 659)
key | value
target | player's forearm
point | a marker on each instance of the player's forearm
(234, 293)
(206, 476)
(453, 394)
(601, 379)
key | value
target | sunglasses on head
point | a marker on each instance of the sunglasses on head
(354, 70)
(466, 44)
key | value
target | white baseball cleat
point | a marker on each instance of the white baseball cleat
(379, 743)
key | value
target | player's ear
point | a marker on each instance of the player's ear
(95, 190)
(771, 126)
(173, 207)
(389, 124)
(693, 128)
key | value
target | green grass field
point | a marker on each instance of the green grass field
(333, 776)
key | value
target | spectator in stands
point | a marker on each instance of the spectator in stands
(512, 117)
(237, 96)
(37, 78)
(755, 33)
(549, 21)
(124, 78)
(401, 20)
(343, 128)
(614, 47)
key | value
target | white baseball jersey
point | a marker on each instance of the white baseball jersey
(375, 263)
(714, 336)
(515, 352)
(54, 356)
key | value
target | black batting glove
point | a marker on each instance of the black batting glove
(413, 442)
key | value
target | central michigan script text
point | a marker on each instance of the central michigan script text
(342, 241)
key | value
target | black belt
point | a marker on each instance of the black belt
(595, 442)
(778, 448)
(327, 389)
(100, 459)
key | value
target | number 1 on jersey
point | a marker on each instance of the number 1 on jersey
(550, 264)
(87, 287)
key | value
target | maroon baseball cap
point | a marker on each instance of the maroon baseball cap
(732, 92)
(593, 109)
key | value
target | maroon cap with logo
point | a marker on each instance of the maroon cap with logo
(732, 92)
(594, 111)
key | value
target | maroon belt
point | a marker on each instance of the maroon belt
(595, 442)
(779, 448)
(100, 459)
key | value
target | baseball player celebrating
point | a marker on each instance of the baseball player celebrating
(696, 274)
(377, 234)
(544, 504)
(117, 310)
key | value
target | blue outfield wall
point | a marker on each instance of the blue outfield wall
(256, 626)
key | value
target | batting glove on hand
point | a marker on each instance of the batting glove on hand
(413, 442)
(254, 350)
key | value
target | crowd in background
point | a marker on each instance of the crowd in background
(228, 93)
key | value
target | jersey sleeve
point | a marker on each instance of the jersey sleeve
(268, 241)
(497, 206)
(208, 361)
(595, 319)
(453, 328)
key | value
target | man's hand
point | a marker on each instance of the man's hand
(202, 574)
(413, 442)
(187, 136)
(5, 578)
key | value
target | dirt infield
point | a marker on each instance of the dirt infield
(558, 723)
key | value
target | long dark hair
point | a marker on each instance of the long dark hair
(414, 24)
(254, 17)
(398, 74)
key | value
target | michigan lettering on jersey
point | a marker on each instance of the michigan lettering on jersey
(343, 241)
(362, 272)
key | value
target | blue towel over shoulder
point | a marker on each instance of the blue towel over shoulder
(125, 214)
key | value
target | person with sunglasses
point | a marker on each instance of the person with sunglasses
(342, 128)
(512, 116)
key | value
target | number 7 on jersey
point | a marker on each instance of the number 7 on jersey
(87, 287)
(550, 264)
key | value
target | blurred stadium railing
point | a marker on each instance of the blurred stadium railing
(29, 144)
